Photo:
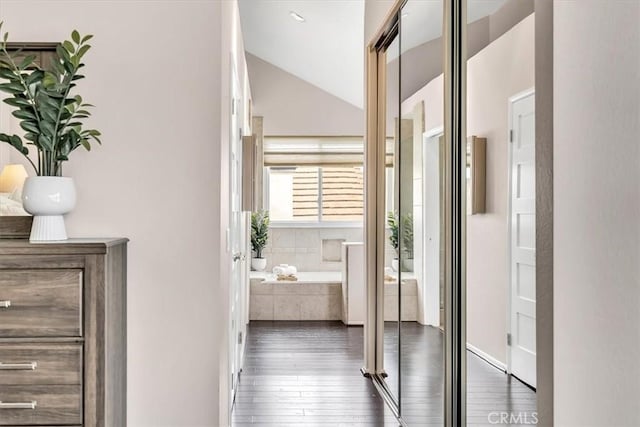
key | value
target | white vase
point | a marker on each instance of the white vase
(258, 264)
(48, 198)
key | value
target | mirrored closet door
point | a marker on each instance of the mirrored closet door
(501, 213)
(410, 162)
(452, 239)
(420, 154)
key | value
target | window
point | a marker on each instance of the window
(315, 194)
(293, 194)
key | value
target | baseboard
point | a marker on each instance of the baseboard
(487, 358)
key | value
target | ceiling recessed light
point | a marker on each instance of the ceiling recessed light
(404, 15)
(297, 17)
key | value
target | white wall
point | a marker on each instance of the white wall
(292, 106)
(596, 213)
(502, 69)
(158, 74)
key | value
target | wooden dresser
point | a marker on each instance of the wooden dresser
(63, 333)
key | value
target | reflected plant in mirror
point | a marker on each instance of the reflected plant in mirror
(394, 236)
(401, 238)
(407, 241)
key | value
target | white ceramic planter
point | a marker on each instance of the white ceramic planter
(258, 264)
(48, 198)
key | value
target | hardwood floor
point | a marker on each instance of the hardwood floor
(490, 392)
(307, 373)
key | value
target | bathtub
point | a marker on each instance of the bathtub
(315, 296)
(317, 277)
(319, 296)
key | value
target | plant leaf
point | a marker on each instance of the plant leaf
(31, 136)
(35, 77)
(26, 62)
(18, 102)
(75, 36)
(68, 46)
(12, 88)
(48, 128)
(45, 143)
(16, 142)
(69, 65)
(86, 38)
(29, 126)
(8, 74)
(24, 115)
(83, 50)
(48, 113)
(49, 80)
(63, 54)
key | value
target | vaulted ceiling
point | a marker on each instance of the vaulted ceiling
(326, 49)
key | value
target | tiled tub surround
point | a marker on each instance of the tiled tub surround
(315, 296)
(303, 247)
(409, 299)
(318, 296)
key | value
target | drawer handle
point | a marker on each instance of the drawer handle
(5, 304)
(18, 405)
(28, 366)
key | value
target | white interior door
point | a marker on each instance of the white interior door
(432, 182)
(523, 239)
(236, 336)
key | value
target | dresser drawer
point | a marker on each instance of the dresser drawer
(43, 364)
(40, 405)
(40, 303)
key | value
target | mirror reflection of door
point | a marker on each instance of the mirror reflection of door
(392, 231)
(421, 212)
(414, 211)
(500, 230)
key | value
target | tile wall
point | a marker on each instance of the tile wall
(304, 247)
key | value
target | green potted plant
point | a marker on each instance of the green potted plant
(259, 238)
(404, 225)
(407, 241)
(394, 236)
(52, 118)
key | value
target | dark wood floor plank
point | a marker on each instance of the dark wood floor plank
(307, 373)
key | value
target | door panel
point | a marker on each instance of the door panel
(391, 294)
(500, 237)
(420, 154)
(236, 238)
(523, 241)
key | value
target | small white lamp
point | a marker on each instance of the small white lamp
(12, 178)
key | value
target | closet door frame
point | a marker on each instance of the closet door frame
(454, 22)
